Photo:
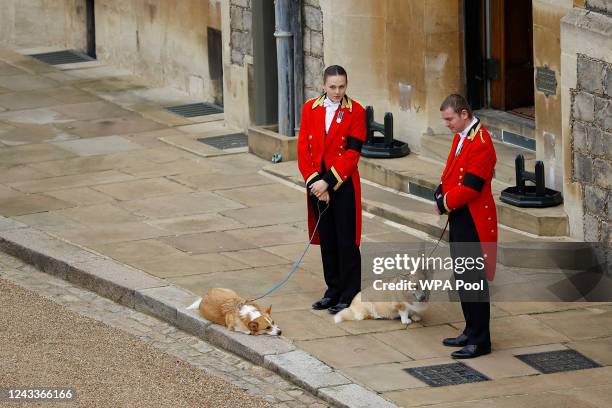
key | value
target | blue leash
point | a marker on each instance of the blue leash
(299, 260)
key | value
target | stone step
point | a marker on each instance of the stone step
(516, 249)
(509, 128)
(436, 147)
(419, 176)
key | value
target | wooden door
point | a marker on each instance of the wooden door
(512, 49)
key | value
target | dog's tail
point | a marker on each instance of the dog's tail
(344, 314)
(195, 304)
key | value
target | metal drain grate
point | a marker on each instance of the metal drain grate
(195, 109)
(227, 141)
(62, 57)
(557, 361)
(446, 374)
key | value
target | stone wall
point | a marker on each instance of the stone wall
(592, 145)
(599, 6)
(43, 23)
(241, 41)
(312, 25)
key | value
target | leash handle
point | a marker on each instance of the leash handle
(299, 260)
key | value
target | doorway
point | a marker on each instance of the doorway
(499, 55)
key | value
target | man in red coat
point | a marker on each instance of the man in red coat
(465, 194)
(332, 132)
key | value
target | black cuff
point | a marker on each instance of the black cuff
(330, 179)
(440, 204)
(474, 182)
(313, 180)
(438, 191)
(354, 144)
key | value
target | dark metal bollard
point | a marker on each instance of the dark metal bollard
(384, 147)
(537, 196)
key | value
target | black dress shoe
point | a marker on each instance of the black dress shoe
(340, 306)
(324, 303)
(459, 341)
(471, 351)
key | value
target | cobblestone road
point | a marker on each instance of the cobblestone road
(166, 339)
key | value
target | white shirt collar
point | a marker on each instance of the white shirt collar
(465, 131)
(328, 103)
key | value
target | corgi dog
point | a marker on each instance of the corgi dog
(225, 307)
(403, 304)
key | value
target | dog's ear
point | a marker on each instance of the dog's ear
(268, 310)
(253, 326)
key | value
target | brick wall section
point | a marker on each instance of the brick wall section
(312, 25)
(241, 41)
(592, 145)
(599, 6)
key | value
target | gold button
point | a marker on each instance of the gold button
(339, 154)
(461, 169)
(486, 206)
(310, 137)
(309, 145)
(343, 138)
(492, 230)
(489, 218)
(485, 255)
(460, 177)
(458, 184)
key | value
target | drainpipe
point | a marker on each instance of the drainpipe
(298, 58)
(284, 58)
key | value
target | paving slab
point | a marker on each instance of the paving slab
(137, 189)
(99, 145)
(353, 395)
(72, 181)
(180, 264)
(598, 350)
(82, 196)
(211, 182)
(255, 257)
(33, 153)
(127, 252)
(269, 214)
(191, 224)
(91, 110)
(209, 242)
(95, 215)
(40, 116)
(270, 235)
(585, 323)
(303, 325)
(251, 282)
(419, 342)
(29, 204)
(351, 351)
(30, 134)
(261, 195)
(88, 164)
(107, 233)
(180, 204)
(26, 82)
(109, 126)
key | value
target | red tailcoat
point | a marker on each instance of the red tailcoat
(339, 149)
(466, 180)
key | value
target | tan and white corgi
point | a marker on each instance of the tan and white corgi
(225, 307)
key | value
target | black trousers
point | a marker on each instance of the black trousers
(340, 255)
(464, 243)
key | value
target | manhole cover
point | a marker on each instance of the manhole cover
(195, 109)
(226, 141)
(446, 374)
(62, 57)
(557, 361)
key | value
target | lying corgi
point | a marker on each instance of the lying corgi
(404, 304)
(225, 307)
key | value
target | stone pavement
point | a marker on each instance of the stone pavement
(90, 157)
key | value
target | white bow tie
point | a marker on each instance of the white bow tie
(328, 103)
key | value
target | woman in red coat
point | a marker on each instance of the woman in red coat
(329, 144)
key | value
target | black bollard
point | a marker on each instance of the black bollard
(384, 147)
(537, 196)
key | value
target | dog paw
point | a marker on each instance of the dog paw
(337, 318)
(406, 320)
(416, 318)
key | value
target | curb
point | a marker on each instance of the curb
(140, 291)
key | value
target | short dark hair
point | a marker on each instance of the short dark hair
(334, 70)
(458, 103)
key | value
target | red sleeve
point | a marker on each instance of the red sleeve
(344, 166)
(479, 171)
(309, 172)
